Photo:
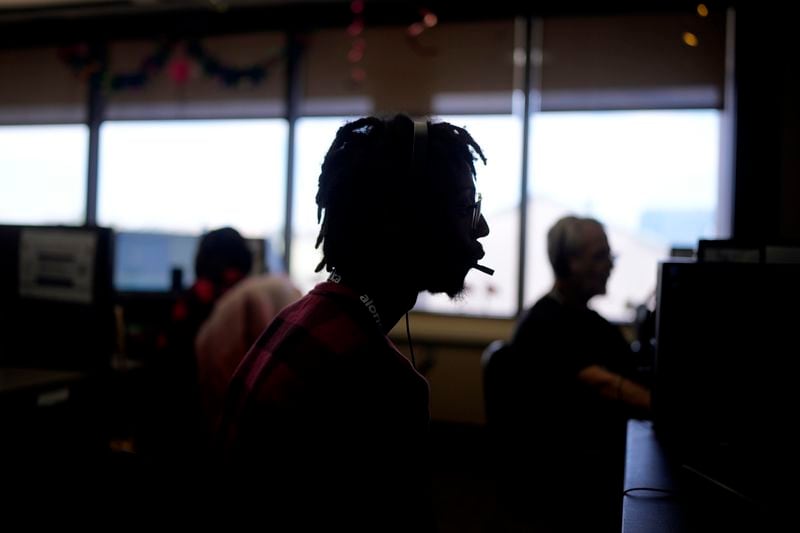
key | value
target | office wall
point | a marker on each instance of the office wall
(448, 352)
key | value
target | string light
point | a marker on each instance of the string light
(689, 38)
(355, 28)
(428, 19)
(358, 74)
(414, 30)
(358, 44)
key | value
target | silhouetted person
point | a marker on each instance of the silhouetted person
(325, 420)
(222, 260)
(577, 383)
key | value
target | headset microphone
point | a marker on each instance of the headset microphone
(484, 269)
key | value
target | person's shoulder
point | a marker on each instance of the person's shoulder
(236, 295)
(539, 323)
(546, 303)
(324, 317)
(259, 283)
(278, 289)
(599, 319)
(545, 309)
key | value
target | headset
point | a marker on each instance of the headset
(419, 148)
(563, 253)
(561, 257)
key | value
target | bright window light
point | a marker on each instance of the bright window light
(650, 176)
(500, 138)
(313, 138)
(188, 177)
(43, 174)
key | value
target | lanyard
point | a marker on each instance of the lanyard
(368, 302)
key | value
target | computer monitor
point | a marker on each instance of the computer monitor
(56, 299)
(145, 261)
(726, 374)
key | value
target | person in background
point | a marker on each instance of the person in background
(324, 412)
(223, 259)
(174, 440)
(237, 320)
(577, 386)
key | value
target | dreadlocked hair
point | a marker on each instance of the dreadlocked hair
(367, 195)
(449, 148)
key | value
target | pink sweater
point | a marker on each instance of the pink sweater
(238, 319)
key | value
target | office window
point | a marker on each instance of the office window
(191, 176)
(500, 138)
(650, 176)
(43, 174)
(313, 138)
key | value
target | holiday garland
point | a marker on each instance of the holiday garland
(176, 56)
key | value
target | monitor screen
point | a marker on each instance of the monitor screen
(145, 261)
(56, 300)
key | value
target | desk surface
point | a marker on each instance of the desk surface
(687, 503)
(646, 467)
(17, 380)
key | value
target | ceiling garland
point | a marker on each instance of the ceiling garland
(178, 58)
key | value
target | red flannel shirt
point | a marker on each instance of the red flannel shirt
(326, 415)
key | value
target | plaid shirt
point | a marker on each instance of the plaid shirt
(331, 414)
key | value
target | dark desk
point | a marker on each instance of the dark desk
(646, 467)
(43, 386)
(49, 422)
(688, 503)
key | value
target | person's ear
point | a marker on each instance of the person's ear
(573, 265)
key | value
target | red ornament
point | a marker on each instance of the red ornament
(180, 311)
(357, 6)
(415, 29)
(179, 70)
(231, 276)
(355, 28)
(204, 290)
(358, 74)
(355, 55)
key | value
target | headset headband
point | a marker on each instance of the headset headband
(419, 149)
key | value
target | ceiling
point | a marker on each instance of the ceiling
(26, 22)
(27, 10)
(39, 22)
(21, 5)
